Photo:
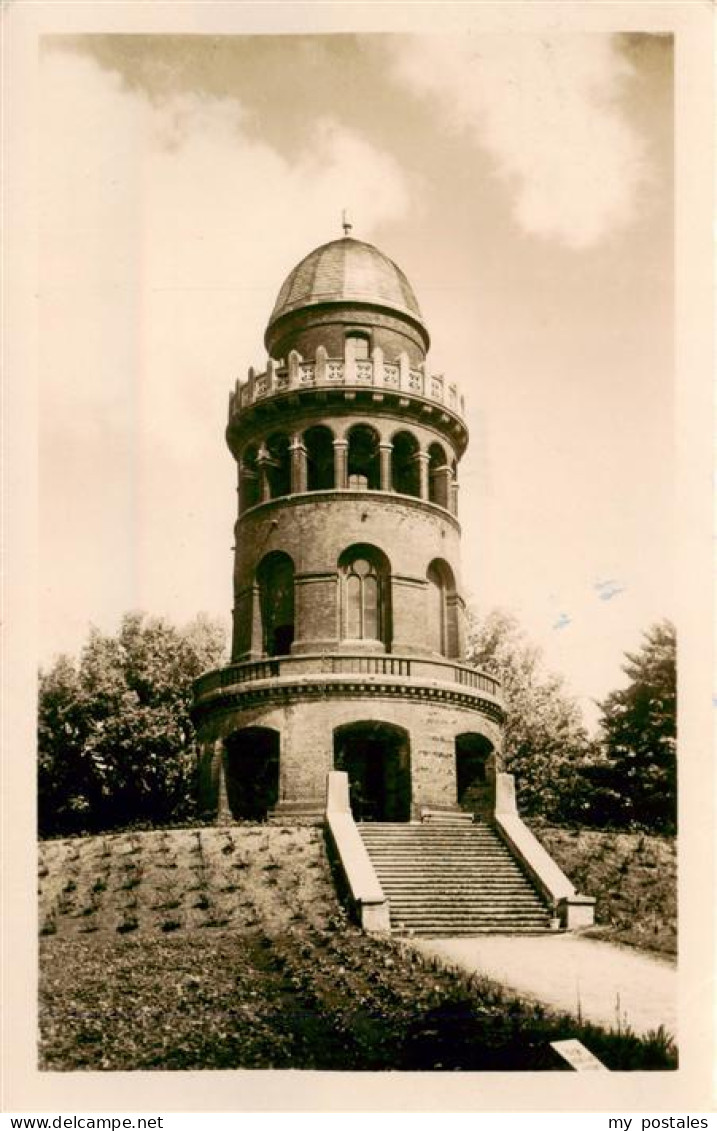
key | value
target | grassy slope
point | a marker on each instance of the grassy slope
(633, 877)
(221, 948)
(151, 883)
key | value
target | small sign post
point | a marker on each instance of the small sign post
(578, 1057)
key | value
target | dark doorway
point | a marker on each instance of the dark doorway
(474, 785)
(252, 772)
(376, 757)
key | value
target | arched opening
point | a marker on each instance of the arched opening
(438, 474)
(365, 595)
(275, 578)
(252, 772)
(474, 784)
(441, 613)
(249, 485)
(364, 463)
(405, 471)
(278, 465)
(319, 444)
(376, 757)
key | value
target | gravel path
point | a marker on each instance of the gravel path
(601, 980)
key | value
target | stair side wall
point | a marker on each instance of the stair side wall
(572, 909)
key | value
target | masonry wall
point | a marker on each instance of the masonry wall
(307, 329)
(306, 730)
(314, 530)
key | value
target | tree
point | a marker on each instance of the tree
(545, 741)
(115, 736)
(639, 734)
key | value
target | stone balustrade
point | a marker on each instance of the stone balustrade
(327, 372)
(325, 665)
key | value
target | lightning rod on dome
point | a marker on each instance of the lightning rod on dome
(346, 223)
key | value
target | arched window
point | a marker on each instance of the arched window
(365, 598)
(278, 465)
(319, 444)
(364, 463)
(438, 475)
(249, 487)
(405, 471)
(441, 612)
(275, 578)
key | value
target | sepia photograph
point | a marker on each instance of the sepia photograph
(359, 579)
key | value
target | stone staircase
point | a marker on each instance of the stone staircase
(450, 875)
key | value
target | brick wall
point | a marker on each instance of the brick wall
(314, 531)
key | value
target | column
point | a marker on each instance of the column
(298, 466)
(385, 451)
(423, 460)
(257, 628)
(341, 463)
(263, 461)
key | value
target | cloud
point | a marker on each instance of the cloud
(165, 232)
(548, 111)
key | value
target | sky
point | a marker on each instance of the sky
(523, 182)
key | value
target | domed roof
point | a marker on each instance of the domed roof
(346, 270)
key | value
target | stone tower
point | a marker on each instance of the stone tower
(349, 620)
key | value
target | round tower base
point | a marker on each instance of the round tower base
(265, 751)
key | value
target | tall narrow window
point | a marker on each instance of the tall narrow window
(441, 621)
(275, 577)
(366, 605)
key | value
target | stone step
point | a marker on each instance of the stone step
(417, 832)
(447, 861)
(462, 898)
(469, 932)
(488, 913)
(454, 876)
(438, 860)
(448, 884)
(453, 907)
(453, 891)
(447, 926)
(460, 926)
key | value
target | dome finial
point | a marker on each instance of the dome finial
(346, 223)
